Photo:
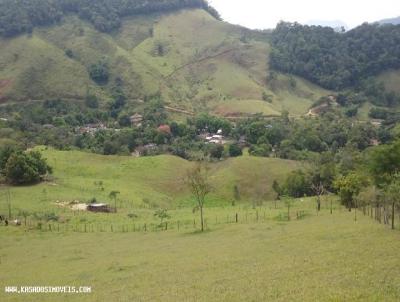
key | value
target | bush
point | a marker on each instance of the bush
(5, 153)
(216, 151)
(69, 53)
(99, 72)
(298, 184)
(235, 150)
(378, 113)
(26, 168)
(260, 150)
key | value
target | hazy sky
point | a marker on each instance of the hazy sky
(262, 14)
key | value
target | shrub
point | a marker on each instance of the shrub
(235, 150)
(99, 72)
(26, 168)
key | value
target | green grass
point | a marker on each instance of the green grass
(160, 180)
(206, 65)
(319, 258)
(263, 257)
(245, 107)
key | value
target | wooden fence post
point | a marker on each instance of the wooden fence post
(393, 205)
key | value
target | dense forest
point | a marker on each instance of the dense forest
(20, 16)
(335, 60)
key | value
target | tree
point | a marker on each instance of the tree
(278, 190)
(161, 214)
(288, 202)
(197, 180)
(298, 184)
(5, 153)
(384, 163)
(113, 195)
(235, 150)
(392, 193)
(99, 72)
(349, 187)
(322, 172)
(216, 151)
(26, 168)
(319, 190)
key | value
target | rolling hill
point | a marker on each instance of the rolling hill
(195, 61)
(159, 180)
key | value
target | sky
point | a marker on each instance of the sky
(263, 14)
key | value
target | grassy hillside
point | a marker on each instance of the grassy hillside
(194, 60)
(320, 258)
(155, 180)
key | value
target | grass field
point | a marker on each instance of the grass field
(146, 182)
(252, 251)
(319, 258)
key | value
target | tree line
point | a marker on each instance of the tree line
(21, 16)
(335, 60)
(56, 123)
(368, 180)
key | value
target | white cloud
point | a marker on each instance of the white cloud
(267, 13)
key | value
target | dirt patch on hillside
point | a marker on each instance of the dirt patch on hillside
(75, 205)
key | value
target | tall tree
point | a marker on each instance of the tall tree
(198, 182)
(349, 187)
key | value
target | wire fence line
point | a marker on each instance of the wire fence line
(177, 225)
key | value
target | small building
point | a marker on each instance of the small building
(99, 208)
(136, 120)
(91, 128)
(216, 139)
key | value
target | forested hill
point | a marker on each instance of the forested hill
(335, 60)
(19, 16)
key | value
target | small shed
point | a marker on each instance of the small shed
(99, 208)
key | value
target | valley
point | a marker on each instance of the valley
(151, 151)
